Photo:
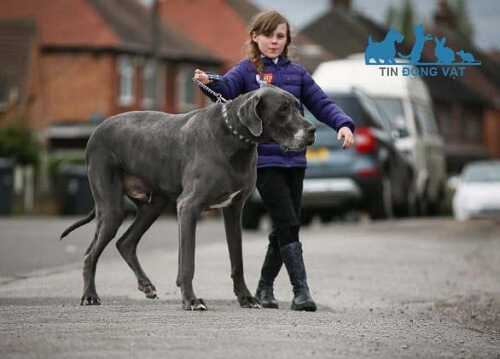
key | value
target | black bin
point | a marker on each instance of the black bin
(6, 186)
(76, 197)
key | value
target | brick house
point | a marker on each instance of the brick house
(20, 83)
(221, 27)
(467, 108)
(89, 59)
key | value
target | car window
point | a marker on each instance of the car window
(393, 110)
(376, 112)
(426, 123)
(482, 173)
(310, 117)
(350, 105)
(364, 110)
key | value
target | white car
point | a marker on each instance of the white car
(477, 192)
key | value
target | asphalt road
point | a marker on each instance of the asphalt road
(32, 244)
(417, 288)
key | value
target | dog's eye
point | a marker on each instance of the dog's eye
(284, 109)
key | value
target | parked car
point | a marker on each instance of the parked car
(477, 193)
(373, 175)
(406, 101)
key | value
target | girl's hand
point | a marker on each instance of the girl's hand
(202, 77)
(346, 133)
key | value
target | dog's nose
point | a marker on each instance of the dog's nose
(312, 135)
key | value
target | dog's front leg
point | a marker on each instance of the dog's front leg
(188, 215)
(232, 223)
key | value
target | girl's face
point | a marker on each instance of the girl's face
(272, 45)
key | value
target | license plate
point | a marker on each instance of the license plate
(318, 154)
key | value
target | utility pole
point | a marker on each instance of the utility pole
(155, 51)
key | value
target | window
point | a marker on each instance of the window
(187, 88)
(149, 84)
(126, 80)
(473, 121)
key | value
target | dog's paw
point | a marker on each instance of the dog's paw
(249, 302)
(149, 290)
(194, 304)
(90, 300)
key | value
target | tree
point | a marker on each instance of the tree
(463, 24)
(451, 14)
(402, 19)
(18, 141)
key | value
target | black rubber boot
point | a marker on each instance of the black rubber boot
(294, 263)
(270, 269)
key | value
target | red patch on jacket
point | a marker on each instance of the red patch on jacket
(268, 78)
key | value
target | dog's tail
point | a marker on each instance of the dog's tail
(81, 222)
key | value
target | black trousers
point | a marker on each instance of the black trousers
(281, 192)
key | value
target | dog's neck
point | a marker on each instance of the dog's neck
(238, 131)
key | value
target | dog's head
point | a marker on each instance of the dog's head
(273, 114)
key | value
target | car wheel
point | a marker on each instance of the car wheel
(306, 218)
(409, 207)
(423, 206)
(382, 206)
(434, 208)
(436, 205)
(250, 218)
(326, 217)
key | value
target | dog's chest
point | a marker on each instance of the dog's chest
(225, 201)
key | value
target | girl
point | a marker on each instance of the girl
(280, 175)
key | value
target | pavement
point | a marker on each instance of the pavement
(405, 289)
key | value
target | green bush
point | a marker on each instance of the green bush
(19, 142)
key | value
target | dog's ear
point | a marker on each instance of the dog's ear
(248, 115)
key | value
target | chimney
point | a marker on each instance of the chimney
(346, 4)
(444, 15)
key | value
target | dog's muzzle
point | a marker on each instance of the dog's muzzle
(311, 135)
(303, 138)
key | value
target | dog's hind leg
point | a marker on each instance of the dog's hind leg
(108, 195)
(127, 244)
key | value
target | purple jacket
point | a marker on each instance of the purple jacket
(295, 79)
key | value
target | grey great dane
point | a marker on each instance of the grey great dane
(203, 159)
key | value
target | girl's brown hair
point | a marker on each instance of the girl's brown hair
(265, 23)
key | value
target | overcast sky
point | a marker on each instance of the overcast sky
(484, 14)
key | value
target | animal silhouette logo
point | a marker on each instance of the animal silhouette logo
(444, 54)
(467, 57)
(420, 40)
(384, 51)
